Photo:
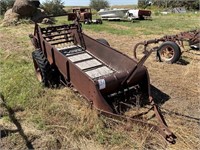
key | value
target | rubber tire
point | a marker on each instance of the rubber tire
(176, 49)
(99, 21)
(86, 21)
(103, 41)
(43, 69)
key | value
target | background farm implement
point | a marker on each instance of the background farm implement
(170, 51)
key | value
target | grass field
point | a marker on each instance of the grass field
(166, 24)
(61, 118)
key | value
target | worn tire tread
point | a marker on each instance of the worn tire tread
(44, 66)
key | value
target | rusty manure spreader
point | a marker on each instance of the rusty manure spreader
(112, 82)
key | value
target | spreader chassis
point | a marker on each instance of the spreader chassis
(108, 79)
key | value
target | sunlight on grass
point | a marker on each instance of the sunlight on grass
(159, 25)
(17, 80)
(162, 24)
(17, 77)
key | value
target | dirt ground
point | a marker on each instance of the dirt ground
(180, 105)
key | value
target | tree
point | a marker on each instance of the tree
(99, 4)
(196, 5)
(188, 4)
(54, 7)
(5, 5)
(144, 3)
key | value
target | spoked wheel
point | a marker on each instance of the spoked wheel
(44, 72)
(169, 52)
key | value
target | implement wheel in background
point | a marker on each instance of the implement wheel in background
(169, 52)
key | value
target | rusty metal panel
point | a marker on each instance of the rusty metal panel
(119, 61)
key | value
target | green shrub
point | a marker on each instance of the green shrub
(54, 7)
(5, 5)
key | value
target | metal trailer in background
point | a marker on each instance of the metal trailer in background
(85, 15)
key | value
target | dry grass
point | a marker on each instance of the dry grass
(61, 118)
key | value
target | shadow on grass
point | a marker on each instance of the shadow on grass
(19, 129)
(124, 20)
(192, 119)
(160, 98)
(6, 132)
(182, 62)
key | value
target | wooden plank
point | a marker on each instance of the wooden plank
(65, 41)
(79, 57)
(50, 36)
(99, 72)
(67, 48)
(88, 64)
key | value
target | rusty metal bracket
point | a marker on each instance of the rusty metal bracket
(135, 69)
(161, 128)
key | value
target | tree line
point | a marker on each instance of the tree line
(56, 6)
(188, 4)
